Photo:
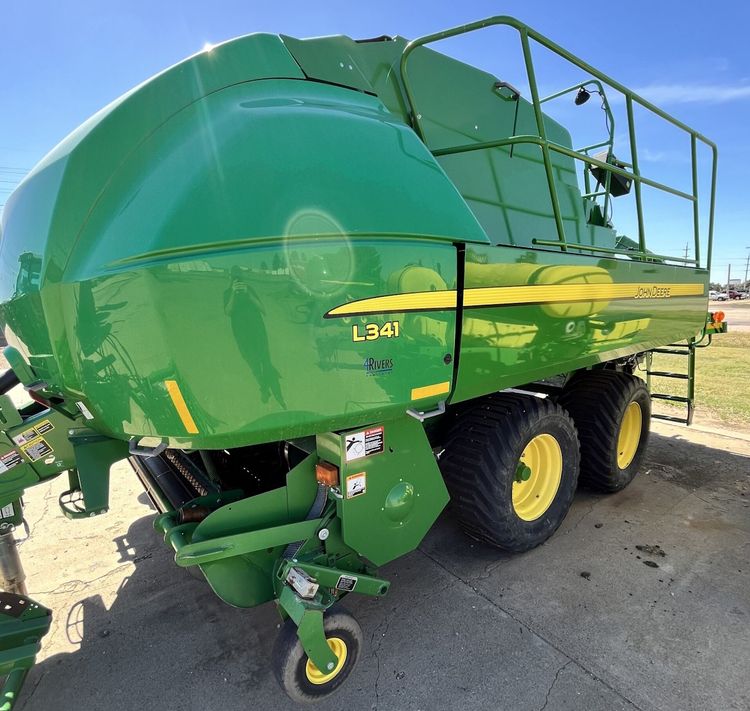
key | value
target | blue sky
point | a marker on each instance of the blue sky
(61, 62)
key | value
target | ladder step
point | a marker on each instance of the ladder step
(669, 418)
(671, 398)
(665, 374)
(672, 351)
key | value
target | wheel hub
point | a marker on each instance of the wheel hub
(537, 477)
(315, 676)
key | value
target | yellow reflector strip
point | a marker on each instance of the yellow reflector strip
(179, 404)
(430, 390)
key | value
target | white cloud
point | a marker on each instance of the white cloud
(663, 156)
(694, 93)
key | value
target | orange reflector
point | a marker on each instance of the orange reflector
(718, 316)
(327, 473)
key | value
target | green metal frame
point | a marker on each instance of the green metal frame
(20, 642)
(526, 34)
(609, 143)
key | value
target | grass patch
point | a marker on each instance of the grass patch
(722, 378)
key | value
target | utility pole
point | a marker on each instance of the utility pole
(686, 249)
(747, 264)
(729, 277)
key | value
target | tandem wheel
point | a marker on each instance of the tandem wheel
(511, 466)
(612, 411)
(298, 676)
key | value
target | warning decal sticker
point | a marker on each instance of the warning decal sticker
(26, 436)
(7, 511)
(9, 460)
(33, 432)
(44, 426)
(346, 582)
(36, 449)
(356, 485)
(365, 443)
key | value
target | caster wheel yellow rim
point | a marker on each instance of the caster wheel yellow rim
(317, 677)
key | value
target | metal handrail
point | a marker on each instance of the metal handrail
(609, 143)
(565, 151)
(526, 33)
(613, 250)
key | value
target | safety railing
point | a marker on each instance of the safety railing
(547, 147)
(609, 144)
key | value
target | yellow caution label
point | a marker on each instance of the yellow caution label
(36, 449)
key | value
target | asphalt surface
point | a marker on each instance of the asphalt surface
(583, 622)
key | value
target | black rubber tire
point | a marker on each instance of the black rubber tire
(289, 658)
(597, 400)
(482, 452)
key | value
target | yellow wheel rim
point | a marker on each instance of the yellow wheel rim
(630, 435)
(315, 676)
(541, 465)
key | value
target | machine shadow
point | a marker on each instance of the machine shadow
(166, 641)
(162, 642)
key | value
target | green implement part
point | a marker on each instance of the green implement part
(286, 277)
(23, 623)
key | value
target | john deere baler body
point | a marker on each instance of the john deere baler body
(204, 229)
(259, 274)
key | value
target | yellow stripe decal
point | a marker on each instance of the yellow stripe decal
(556, 293)
(416, 301)
(181, 406)
(512, 295)
(430, 390)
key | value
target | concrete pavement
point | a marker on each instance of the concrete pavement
(583, 622)
(737, 314)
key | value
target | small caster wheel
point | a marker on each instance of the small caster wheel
(298, 676)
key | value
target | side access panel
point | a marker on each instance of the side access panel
(391, 488)
(530, 314)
